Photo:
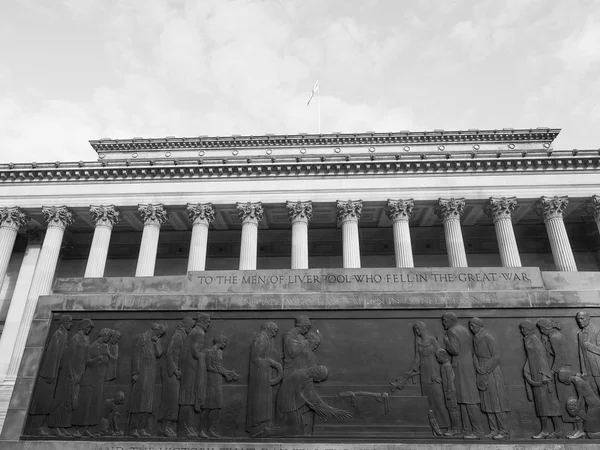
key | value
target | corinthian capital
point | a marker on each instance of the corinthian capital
(399, 209)
(498, 208)
(153, 214)
(13, 217)
(592, 207)
(349, 210)
(105, 215)
(299, 210)
(201, 212)
(57, 215)
(551, 207)
(450, 208)
(250, 211)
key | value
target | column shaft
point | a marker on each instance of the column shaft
(98, 252)
(14, 318)
(248, 250)
(509, 252)
(455, 245)
(300, 243)
(402, 244)
(8, 235)
(41, 284)
(351, 243)
(560, 245)
(148, 250)
(198, 246)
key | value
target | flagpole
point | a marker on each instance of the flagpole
(319, 104)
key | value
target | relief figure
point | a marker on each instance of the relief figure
(72, 366)
(147, 349)
(216, 373)
(459, 344)
(170, 377)
(111, 411)
(113, 355)
(539, 383)
(296, 348)
(297, 401)
(91, 393)
(587, 406)
(41, 405)
(588, 340)
(449, 388)
(426, 366)
(264, 373)
(490, 382)
(192, 385)
(557, 352)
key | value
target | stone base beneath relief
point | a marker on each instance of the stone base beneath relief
(433, 445)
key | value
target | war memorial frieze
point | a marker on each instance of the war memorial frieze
(254, 360)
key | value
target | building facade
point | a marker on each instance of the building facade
(166, 207)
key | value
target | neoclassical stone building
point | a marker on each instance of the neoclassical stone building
(150, 207)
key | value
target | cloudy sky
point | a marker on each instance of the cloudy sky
(74, 70)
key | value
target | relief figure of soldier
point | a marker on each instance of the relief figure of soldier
(72, 366)
(216, 373)
(41, 405)
(147, 349)
(170, 377)
(192, 386)
(490, 382)
(91, 393)
(264, 373)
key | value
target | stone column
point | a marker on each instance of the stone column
(11, 219)
(18, 301)
(551, 209)
(592, 207)
(449, 211)
(500, 210)
(201, 216)
(250, 214)
(153, 215)
(349, 214)
(399, 211)
(299, 214)
(105, 217)
(58, 219)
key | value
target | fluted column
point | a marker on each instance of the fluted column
(58, 219)
(551, 209)
(399, 212)
(349, 214)
(299, 214)
(14, 316)
(11, 219)
(449, 211)
(105, 217)
(500, 210)
(592, 207)
(201, 216)
(250, 214)
(153, 215)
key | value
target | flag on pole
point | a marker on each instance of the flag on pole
(313, 92)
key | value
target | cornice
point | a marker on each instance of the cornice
(339, 139)
(307, 165)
